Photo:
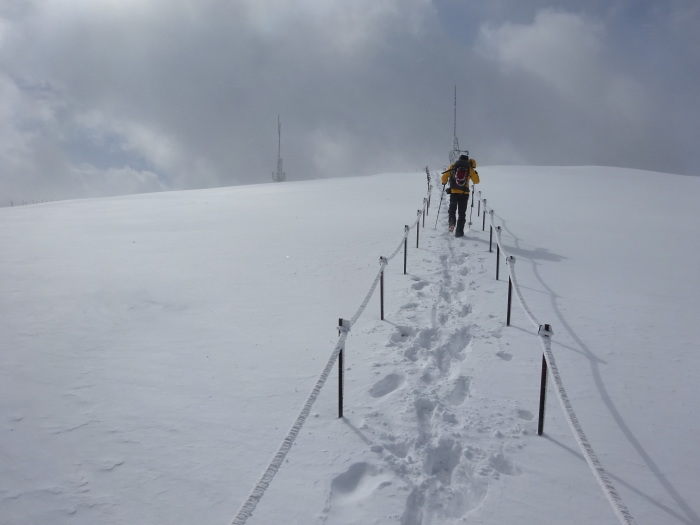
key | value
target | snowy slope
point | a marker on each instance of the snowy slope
(157, 348)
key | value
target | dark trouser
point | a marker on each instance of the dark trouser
(457, 212)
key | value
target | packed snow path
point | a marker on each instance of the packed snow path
(447, 442)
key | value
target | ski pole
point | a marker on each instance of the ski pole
(472, 206)
(442, 194)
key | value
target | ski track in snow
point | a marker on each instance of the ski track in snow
(445, 446)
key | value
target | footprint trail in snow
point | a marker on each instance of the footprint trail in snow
(445, 444)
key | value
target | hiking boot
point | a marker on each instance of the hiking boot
(459, 234)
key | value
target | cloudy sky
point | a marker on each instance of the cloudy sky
(104, 97)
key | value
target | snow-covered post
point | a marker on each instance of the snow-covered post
(472, 208)
(498, 260)
(417, 228)
(511, 261)
(382, 261)
(341, 367)
(544, 331)
(406, 229)
(498, 252)
(442, 194)
(430, 190)
(543, 396)
(491, 240)
(510, 298)
(483, 226)
(425, 209)
(478, 208)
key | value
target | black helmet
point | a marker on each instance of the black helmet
(463, 157)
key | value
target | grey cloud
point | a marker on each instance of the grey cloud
(182, 95)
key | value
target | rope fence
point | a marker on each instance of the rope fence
(344, 326)
(549, 367)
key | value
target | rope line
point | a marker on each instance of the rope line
(594, 463)
(246, 510)
(511, 271)
(621, 510)
(361, 309)
(405, 235)
(257, 493)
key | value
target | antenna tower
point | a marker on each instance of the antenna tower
(279, 175)
(454, 154)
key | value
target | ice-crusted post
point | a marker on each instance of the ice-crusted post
(491, 240)
(545, 331)
(425, 209)
(341, 329)
(483, 226)
(417, 228)
(498, 260)
(498, 252)
(382, 261)
(430, 194)
(406, 228)
(543, 396)
(511, 261)
(430, 190)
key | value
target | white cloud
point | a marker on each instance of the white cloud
(561, 49)
(567, 53)
(191, 90)
(95, 182)
(158, 148)
(350, 28)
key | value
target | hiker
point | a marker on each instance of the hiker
(459, 174)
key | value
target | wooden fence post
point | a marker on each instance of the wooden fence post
(406, 228)
(341, 367)
(543, 396)
(511, 261)
(545, 331)
(417, 228)
(382, 262)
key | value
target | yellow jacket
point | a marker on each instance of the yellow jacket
(473, 176)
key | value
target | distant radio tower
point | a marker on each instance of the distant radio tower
(454, 154)
(279, 175)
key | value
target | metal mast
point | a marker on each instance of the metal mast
(279, 175)
(454, 154)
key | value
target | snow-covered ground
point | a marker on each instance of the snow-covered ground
(156, 349)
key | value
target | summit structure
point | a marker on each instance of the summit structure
(454, 154)
(279, 175)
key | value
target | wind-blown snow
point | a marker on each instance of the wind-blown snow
(157, 348)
